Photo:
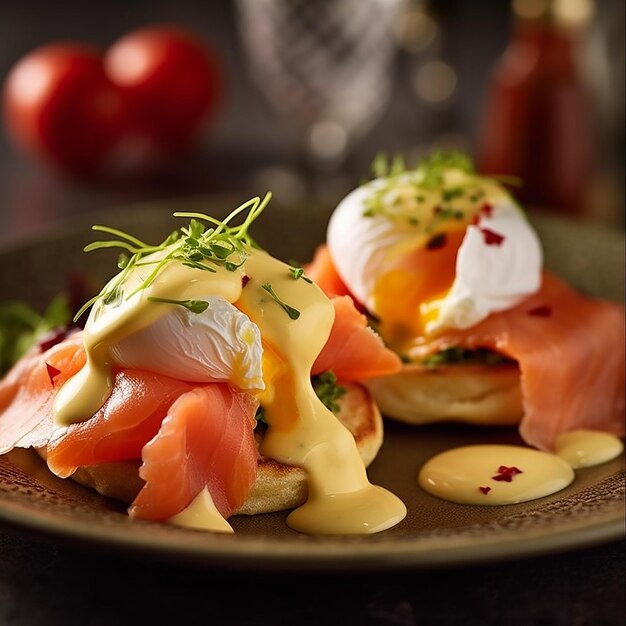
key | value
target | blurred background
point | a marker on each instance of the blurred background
(298, 96)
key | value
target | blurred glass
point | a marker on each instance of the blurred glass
(325, 66)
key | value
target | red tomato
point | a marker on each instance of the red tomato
(60, 105)
(171, 79)
(89, 114)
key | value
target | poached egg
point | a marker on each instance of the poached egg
(220, 344)
(426, 253)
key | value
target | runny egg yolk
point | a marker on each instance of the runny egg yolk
(405, 295)
(279, 392)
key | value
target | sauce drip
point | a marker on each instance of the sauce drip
(301, 430)
(511, 474)
(202, 514)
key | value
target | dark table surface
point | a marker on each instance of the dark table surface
(42, 582)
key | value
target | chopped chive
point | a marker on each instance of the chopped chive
(451, 194)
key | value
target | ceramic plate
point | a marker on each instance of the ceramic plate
(435, 533)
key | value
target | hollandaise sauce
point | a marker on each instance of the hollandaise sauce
(202, 514)
(502, 474)
(586, 448)
(294, 318)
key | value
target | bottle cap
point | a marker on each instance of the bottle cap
(571, 14)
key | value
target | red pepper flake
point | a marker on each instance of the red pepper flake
(492, 238)
(53, 372)
(486, 210)
(244, 280)
(541, 311)
(505, 474)
(51, 339)
(484, 490)
(437, 242)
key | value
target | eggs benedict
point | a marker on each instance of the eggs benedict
(450, 272)
(199, 388)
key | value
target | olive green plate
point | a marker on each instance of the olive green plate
(435, 533)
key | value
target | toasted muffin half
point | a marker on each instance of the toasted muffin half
(278, 486)
(475, 393)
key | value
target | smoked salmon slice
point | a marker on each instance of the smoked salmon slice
(321, 270)
(570, 351)
(130, 417)
(353, 350)
(28, 390)
(189, 436)
(206, 439)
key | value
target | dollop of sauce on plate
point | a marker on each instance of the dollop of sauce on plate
(502, 474)
(494, 474)
(202, 514)
(586, 448)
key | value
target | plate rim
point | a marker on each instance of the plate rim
(304, 554)
(391, 554)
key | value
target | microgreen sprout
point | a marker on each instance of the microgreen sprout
(298, 272)
(205, 244)
(407, 193)
(294, 314)
(195, 306)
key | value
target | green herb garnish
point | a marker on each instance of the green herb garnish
(199, 246)
(452, 193)
(294, 314)
(298, 272)
(21, 327)
(427, 176)
(457, 355)
(478, 195)
(260, 416)
(195, 306)
(433, 167)
(444, 214)
(327, 390)
(383, 166)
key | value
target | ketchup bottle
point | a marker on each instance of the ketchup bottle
(537, 120)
